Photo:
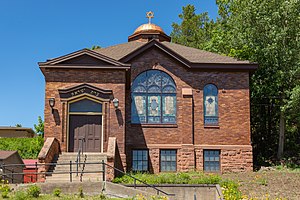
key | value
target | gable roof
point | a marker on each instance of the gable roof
(60, 61)
(5, 154)
(192, 57)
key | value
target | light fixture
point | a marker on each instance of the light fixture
(52, 103)
(116, 103)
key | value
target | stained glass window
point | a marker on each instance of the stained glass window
(212, 160)
(211, 113)
(153, 96)
(140, 160)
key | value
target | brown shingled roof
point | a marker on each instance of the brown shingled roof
(6, 154)
(193, 55)
(119, 51)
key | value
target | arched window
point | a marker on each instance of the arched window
(153, 95)
(211, 116)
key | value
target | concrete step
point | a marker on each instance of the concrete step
(65, 158)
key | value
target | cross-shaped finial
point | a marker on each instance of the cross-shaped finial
(149, 15)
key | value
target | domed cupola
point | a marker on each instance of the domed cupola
(149, 31)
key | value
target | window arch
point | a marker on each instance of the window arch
(153, 94)
(211, 112)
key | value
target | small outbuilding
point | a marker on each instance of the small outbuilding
(15, 132)
(13, 174)
(30, 170)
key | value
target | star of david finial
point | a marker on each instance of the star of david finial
(149, 15)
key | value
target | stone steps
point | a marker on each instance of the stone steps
(92, 170)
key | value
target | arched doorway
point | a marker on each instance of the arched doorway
(85, 122)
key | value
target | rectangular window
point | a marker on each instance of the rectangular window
(212, 160)
(169, 109)
(140, 160)
(138, 109)
(154, 109)
(168, 161)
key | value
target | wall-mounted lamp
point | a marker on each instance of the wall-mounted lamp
(52, 103)
(116, 103)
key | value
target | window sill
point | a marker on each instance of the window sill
(155, 125)
(212, 126)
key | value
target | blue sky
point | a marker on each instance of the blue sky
(35, 30)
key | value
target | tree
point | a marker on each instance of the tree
(18, 125)
(95, 47)
(39, 128)
(194, 30)
(266, 32)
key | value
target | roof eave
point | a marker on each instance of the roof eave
(225, 66)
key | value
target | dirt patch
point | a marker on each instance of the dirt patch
(268, 183)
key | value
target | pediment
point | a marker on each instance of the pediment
(158, 45)
(84, 58)
(85, 89)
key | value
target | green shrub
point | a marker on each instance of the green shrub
(56, 192)
(20, 195)
(230, 190)
(34, 191)
(80, 192)
(4, 189)
(28, 148)
(171, 178)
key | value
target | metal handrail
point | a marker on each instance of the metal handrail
(82, 172)
(79, 153)
(136, 179)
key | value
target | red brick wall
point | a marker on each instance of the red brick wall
(56, 123)
(234, 112)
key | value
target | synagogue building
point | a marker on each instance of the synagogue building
(169, 107)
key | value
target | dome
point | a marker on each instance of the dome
(148, 28)
(148, 32)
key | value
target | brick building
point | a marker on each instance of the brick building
(170, 107)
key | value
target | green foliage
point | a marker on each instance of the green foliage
(230, 190)
(33, 191)
(39, 128)
(95, 47)
(27, 147)
(56, 192)
(194, 30)
(80, 192)
(18, 125)
(171, 178)
(266, 32)
(20, 195)
(4, 189)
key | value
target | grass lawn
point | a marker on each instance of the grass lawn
(270, 183)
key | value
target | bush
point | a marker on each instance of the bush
(28, 148)
(4, 189)
(20, 195)
(34, 191)
(56, 192)
(171, 178)
(80, 192)
(230, 190)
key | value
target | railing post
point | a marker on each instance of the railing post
(103, 171)
(12, 175)
(4, 175)
(70, 170)
(134, 183)
(36, 172)
(76, 167)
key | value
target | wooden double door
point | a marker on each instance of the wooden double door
(88, 128)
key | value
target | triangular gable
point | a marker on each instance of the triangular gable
(159, 45)
(84, 57)
(85, 89)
